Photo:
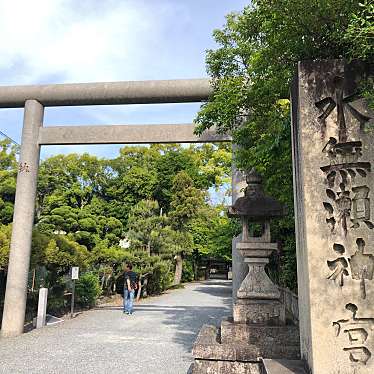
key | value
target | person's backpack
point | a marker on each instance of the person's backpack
(134, 285)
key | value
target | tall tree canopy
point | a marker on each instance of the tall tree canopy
(8, 172)
(252, 68)
(88, 207)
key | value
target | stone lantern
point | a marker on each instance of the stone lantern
(257, 329)
(258, 298)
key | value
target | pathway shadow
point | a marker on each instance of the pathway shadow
(188, 320)
(219, 289)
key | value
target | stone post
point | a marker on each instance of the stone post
(333, 153)
(239, 268)
(23, 220)
(42, 308)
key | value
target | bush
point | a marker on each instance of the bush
(188, 271)
(87, 289)
(161, 278)
(57, 302)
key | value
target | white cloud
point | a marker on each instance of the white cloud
(57, 41)
(77, 40)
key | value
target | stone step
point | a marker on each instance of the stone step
(272, 366)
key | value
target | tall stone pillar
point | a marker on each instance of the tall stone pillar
(333, 154)
(239, 268)
(23, 220)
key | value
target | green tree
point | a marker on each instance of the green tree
(5, 233)
(108, 261)
(152, 232)
(212, 232)
(62, 253)
(144, 225)
(186, 200)
(185, 203)
(8, 174)
(133, 177)
(252, 69)
(70, 180)
(214, 163)
(360, 31)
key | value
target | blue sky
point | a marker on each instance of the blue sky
(59, 41)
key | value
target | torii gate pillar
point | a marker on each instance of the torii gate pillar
(23, 220)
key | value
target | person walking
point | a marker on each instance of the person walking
(130, 287)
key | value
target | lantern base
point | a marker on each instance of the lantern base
(264, 312)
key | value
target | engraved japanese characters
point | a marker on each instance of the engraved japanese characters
(347, 207)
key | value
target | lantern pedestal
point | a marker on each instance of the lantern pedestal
(258, 299)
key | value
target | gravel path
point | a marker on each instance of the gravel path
(156, 339)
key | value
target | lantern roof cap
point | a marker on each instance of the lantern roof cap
(255, 205)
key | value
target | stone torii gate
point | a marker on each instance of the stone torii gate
(34, 135)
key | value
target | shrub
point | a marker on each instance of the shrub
(161, 278)
(188, 271)
(87, 289)
(57, 303)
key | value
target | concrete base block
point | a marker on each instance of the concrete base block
(283, 367)
(208, 346)
(261, 340)
(225, 367)
(246, 343)
(267, 312)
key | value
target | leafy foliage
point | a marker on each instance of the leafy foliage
(88, 289)
(360, 32)
(5, 231)
(252, 68)
(87, 206)
(186, 200)
(8, 172)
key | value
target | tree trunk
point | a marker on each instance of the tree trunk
(178, 269)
